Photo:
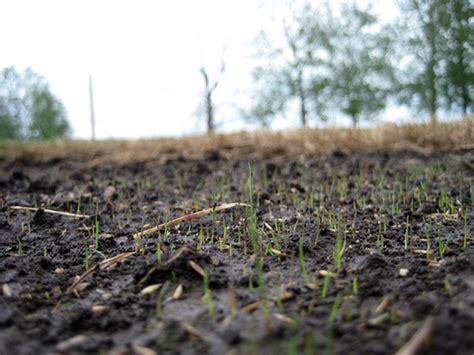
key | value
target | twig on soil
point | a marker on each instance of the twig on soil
(193, 332)
(189, 217)
(82, 278)
(61, 213)
(109, 263)
(196, 267)
(252, 307)
(419, 338)
(180, 253)
(105, 264)
(386, 302)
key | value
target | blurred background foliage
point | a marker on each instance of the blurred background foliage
(28, 108)
(343, 59)
(331, 60)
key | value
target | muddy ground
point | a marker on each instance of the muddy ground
(361, 253)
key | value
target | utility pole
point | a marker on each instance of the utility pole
(91, 101)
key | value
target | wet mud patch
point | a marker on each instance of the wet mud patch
(342, 253)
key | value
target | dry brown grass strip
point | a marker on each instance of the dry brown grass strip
(422, 138)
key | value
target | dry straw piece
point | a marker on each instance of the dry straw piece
(7, 291)
(421, 337)
(178, 293)
(61, 213)
(189, 217)
(196, 267)
(150, 289)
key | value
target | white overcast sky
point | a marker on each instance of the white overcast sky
(144, 57)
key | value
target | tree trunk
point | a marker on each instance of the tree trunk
(302, 96)
(354, 122)
(431, 67)
(210, 113)
(92, 113)
(304, 112)
(465, 98)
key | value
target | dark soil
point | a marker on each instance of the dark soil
(402, 220)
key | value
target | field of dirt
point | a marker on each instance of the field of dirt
(343, 252)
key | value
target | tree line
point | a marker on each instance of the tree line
(328, 61)
(333, 60)
(28, 108)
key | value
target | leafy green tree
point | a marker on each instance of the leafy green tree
(437, 54)
(334, 60)
(9, 127)
(48, 116)
(11, 108)
(28, 109)
(285, 77)
(359, 70)
(419, 43)
(457, 53)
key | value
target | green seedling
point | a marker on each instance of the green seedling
(78, 208)
(96, 233)
(202, 239)
(213, 228)
(342, 188)
(466, 230)
(327, 280)
(347, 311)
(382, 232)
(310, 344)
(447, 286)
(292, 346)
(318, 230)
(99, 253)
(379, 241)
(285, 236)
(251, 214)
(276, 243)
(25, 228)
(311, 201)
(45, 251)
(339, 252)
(355, 286)
(159, 253)
(330, 324)
(20, 247)
(393, 314)
(139, 245)
(263, 291)
(407, 231)
(165, 231)
(159, 302)
(207, 297)
(86, 259)
(442, 247)
(304, 268)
